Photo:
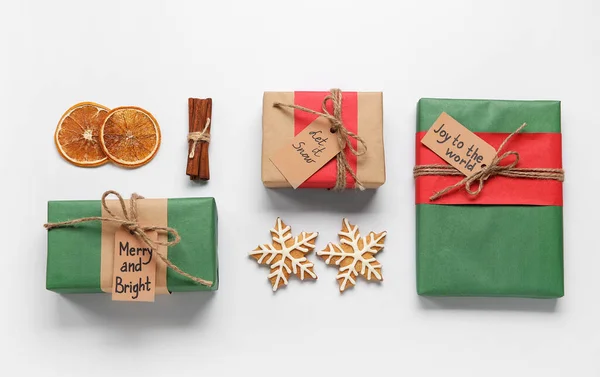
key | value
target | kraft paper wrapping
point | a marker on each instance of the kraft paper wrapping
(150, 212)
(279, 128)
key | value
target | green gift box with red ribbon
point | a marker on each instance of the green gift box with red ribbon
(508, 239)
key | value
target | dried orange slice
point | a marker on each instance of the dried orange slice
(77, 135)
(130, 136)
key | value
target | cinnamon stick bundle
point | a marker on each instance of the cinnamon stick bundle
(200, 113)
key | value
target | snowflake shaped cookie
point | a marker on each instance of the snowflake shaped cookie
(354, 255)
(286, 255)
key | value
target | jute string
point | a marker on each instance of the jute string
(129, 220)
(197, 137)
(493, 169)
(343, 136)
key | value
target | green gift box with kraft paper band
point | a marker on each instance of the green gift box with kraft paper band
(508, 239)
(80, 255)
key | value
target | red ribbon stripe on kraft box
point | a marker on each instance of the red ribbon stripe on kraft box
(361, 114)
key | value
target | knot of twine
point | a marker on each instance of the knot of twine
(197, 137)
(343, 136)
(493, 169)
(129, 220)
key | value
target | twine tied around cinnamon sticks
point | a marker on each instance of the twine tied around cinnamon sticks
(343, 136)
(129, 220)
(197, 137)
(493, 169)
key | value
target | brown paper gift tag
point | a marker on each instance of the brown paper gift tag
(458, 146)
(134, 271)
(306, 153)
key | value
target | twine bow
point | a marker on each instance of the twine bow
(198, 137)
(494, 168)
(129, 220)
(343, 136)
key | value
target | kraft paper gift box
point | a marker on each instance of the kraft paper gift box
(362, 114)
(508, 240)
(80, 256)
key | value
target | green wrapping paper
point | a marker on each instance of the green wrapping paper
(74, 252)
(492, 249)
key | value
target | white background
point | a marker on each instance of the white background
(156, 54)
